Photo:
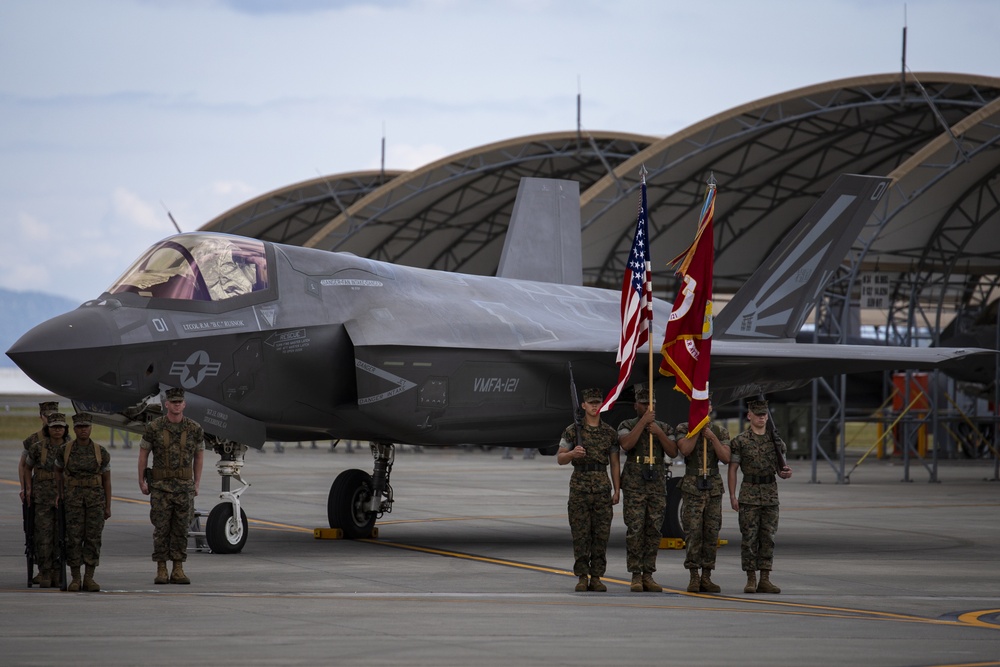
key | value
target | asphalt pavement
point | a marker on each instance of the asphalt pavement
(472, 567)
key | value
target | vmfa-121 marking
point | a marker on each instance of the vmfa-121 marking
(291, 343)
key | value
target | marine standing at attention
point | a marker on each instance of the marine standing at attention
(42, 490)
(591, 447)
(178, 447)
(85, 478)
(44, 410)
(23, 473)
(755, 452)
(643, 483)
(701, 504)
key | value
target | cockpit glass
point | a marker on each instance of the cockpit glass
(198, 267)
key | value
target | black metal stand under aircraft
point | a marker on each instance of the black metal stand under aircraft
(290, 343)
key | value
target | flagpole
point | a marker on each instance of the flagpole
(649, 342)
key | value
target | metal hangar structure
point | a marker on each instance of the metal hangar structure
(936, 235)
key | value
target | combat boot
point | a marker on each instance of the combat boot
(161, 573)
(636, 586)
(36, 578)
(177, 575)
(765, 585)
(74, 585)
(751, 586)
(597, 585)
(581, 586)
(707, 585)
(89, 584)
(694, 585)
(649, 585)
(44, 579)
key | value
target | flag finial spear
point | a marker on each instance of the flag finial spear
(642, 173)
(711, 179)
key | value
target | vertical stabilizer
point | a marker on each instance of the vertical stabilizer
(543, 239)
(774, 303)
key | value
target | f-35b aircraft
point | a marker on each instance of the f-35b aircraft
(289, 343)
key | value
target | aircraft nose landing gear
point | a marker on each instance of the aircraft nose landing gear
(224, 532)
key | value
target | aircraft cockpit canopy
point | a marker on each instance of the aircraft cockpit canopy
(197, 267)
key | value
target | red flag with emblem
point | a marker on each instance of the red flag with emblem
(687, 344)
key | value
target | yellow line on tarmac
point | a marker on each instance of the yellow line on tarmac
(780, 607)
(282, 526)
(968, 619)
(255, 522)
(480, 559)
(973, 618)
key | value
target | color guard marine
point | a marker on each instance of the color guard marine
(759, 454)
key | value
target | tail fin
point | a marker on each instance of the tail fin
(543, 239)
(785, 288)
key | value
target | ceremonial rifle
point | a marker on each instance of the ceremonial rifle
(60, 555)
(776, 440)
(574, 401)
(28, 517)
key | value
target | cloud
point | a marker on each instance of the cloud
(230, 189)
(32, 229)
(120, 105)
(129, 207)
(24, 276)
(257, 7)
(406, 156)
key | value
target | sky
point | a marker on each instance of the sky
(113, 112)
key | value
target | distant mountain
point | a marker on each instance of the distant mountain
(19, 311)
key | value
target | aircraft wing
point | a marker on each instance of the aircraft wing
(742, 369)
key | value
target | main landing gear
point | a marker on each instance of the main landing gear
(357, 499)
(225, 533)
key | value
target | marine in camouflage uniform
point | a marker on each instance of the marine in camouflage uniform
(44, 410)
(753, 452)
(644, 487)
(701, 500)
(591, 494)
(43, 489)
(178, 447)
(85, 471)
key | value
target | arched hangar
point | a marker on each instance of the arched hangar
(772, 158)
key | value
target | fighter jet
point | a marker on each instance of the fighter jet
(290, 343)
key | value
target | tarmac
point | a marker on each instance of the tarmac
(473, 567)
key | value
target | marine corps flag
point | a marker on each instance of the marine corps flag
(687, 345)
(636, 304)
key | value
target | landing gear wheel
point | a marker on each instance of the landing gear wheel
(345, 507)
(672, 526)
(223, 533)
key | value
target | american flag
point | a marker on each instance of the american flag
(637, 303)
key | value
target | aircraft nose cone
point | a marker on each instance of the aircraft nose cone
(54, 353)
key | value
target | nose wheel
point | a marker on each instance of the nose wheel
(224, 534)
(226, 530)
